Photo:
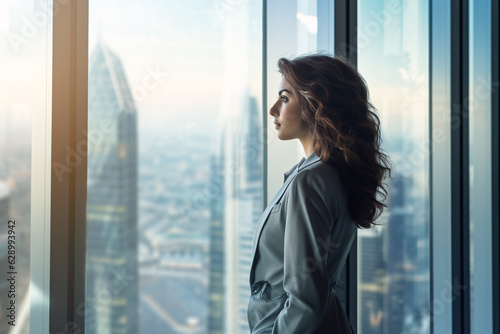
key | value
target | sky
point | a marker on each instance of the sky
(186, 43)
(183, 39)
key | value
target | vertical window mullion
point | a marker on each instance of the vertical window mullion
(460, 235)
(68, 166)
(345, 45)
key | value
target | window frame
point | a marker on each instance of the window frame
(346, 45)
(460, 203)
(57, 260)
(68, 172)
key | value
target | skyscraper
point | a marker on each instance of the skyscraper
(241, 167)
(407, 263)
(393, 275)
(112, 274)
(372, 281)
(216, 293)
(252, 191)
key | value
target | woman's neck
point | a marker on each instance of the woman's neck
(307, 144)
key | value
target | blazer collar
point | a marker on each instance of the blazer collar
(302, 164)
(312, 158)
(289, 172)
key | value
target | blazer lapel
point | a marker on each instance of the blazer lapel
(289, 176)
(264, 216)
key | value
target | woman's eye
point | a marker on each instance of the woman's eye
(283, 98)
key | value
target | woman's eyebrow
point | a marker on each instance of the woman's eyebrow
(284, 90)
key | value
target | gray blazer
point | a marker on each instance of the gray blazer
(300, 246)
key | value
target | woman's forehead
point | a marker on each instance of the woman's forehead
(284, 84)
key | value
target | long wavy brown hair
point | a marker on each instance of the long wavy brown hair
(335, 107)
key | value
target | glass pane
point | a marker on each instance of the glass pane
(393, 259)
(23, 89)
(480, 166)
(293, 28)
(175, 164)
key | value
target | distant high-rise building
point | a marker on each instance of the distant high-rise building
(372, 275)
(398, 240)
(251, 203)
(393, 272)
(242, 167)
(407, 263)
(112, 274)
(216, 290)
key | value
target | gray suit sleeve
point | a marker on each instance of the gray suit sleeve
(309, 221)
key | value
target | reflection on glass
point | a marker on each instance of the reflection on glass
(175, 165)
(393, 260)
(22, 95)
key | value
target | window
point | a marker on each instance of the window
(393, 259)
(175, 168)
(293, 28)
(180, 160)
(24, 56)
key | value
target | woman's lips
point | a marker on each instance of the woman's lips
(277, 125)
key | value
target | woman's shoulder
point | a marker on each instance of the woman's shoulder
(320, 181)
(326, 172)
(323, 177)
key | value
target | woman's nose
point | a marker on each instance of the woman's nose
(274, 111)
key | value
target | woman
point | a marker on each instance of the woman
(304, 236)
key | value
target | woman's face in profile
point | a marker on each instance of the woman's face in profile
(286, 112)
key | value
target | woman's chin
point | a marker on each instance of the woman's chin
(282, 136)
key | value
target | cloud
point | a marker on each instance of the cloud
(311, 22)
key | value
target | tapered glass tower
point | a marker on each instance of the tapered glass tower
(112, 275)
